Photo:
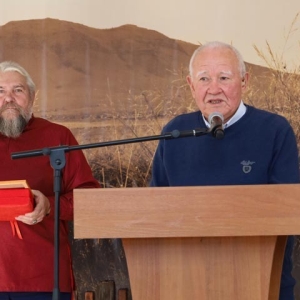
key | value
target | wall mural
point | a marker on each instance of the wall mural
(119, 83)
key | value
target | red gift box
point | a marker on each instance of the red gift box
(16, 199)
(15, 202)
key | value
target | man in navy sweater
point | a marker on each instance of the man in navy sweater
(259, 147)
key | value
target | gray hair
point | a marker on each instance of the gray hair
(216, 45)
(7, 66)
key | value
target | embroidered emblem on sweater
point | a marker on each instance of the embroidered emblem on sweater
(247, 166)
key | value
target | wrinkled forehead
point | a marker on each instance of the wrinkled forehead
(216, 59)
(222, 71)
(12, 78)
(12, 74)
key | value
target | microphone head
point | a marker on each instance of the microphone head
(216, 120)
(215, 115)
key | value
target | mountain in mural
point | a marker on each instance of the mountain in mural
(79, 69)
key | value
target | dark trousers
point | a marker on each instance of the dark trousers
(32, 296)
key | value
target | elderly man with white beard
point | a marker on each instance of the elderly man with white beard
(27, 269)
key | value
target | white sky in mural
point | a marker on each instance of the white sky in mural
(240, 22)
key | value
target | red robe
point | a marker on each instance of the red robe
(28, 264)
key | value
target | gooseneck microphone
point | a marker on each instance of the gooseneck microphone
(216, 120)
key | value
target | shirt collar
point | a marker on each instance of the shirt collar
(238, 114)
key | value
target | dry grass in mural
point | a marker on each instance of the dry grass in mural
(129, 165)
(282, 93)
(142, 115)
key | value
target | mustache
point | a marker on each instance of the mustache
(26, 113)
(11, 105)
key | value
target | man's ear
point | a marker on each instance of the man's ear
(190, 82)
(36, 95)
(245, 80)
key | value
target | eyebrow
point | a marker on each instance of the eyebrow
(226, 72)
(200, 73)
(19, 85)
(15, 86)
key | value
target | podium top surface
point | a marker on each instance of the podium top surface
(209, 211)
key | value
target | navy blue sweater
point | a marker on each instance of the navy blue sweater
(260, 148)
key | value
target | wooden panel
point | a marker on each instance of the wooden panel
(106, 290)
(187, 211)
(89, 296)
(277, 268)
(122, 294)
(201, 268)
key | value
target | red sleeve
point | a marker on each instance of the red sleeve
(76, 174)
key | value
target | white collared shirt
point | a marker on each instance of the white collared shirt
(238, 114)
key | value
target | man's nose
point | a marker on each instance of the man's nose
(214, 87)
(9, 97)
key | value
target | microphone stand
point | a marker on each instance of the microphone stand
(58, 161)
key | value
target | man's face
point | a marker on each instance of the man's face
(15, 104)
(216, 82)
(14, 95)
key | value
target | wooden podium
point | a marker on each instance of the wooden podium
(195, 243)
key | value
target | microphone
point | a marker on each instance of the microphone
(186, 133)
(216, 120)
